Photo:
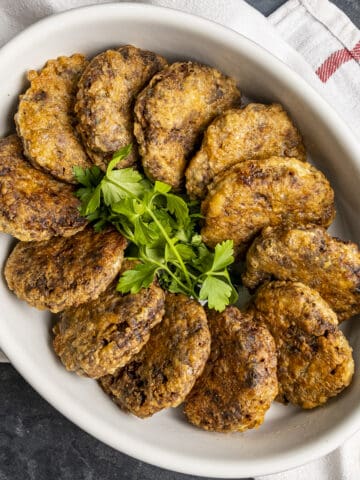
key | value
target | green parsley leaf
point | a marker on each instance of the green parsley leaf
(186, 252)
(196, 240)
(141, 276)
(99, 225)
(204, 259)
(118, 157)
(93, 202)
(161, 187)
(144, 234)
(177, 206)
(223, 256)
(88, 177)
(153, 254)
(216, 292)
(123, 183)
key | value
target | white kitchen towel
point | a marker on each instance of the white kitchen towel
(317, 41)
(342, 464)
(330, 43)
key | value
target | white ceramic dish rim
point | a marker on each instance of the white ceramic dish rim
(61, 400)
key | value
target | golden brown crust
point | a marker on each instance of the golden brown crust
(311, 256)
(33, 205)
(64, 272)
(165, 370)
(107, 90)
(45, 119)
(97, 338)
(253, 132)
(171, 113)
(314, 358)
(257, 193)
(239, 380)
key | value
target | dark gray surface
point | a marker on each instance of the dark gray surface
(265, 6)
(351, 8)
(38, 443)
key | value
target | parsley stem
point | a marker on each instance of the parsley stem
(179, 282)
(174, 249)
(194, 277)
(165, 232)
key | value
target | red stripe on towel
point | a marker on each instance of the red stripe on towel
(335, 60)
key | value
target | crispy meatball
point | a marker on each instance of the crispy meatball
(165, 370)
(311, 256)
(257, 193)
(64, 272)
(239, 380)
(33, 205)
(104, 106)
(253, 132)
(45, 118)
(173, 111)
(315, 360)
(97, 338)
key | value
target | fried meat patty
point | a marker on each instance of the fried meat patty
(315, 360)
(64, 272)
(104, 106)
(239, 380)
(311, 256)
(45, 119)
(33, 205)
(173, 111)
(165, 370)
(97, 338)
(255, 131)
(257, 193)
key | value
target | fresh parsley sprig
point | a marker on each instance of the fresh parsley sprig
(163, 229)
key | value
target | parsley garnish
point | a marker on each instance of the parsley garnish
(163, 227)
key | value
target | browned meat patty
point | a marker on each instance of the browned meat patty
(97, 338)
(255, 131)
(311, 256)
(165, 370)
(257, 193)
(104, 106)
(173, 111)
(64, 272)
(315, 360)
(33, 205)
(45, 119)
(239, 380)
